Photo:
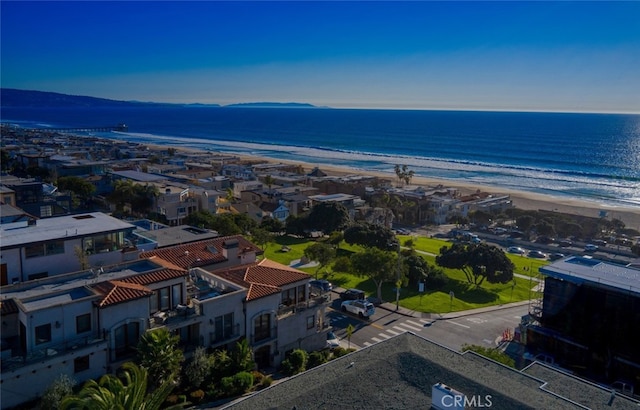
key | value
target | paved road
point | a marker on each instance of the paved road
(483, 328)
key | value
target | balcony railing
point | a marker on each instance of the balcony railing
(180, 314)
(218, 339)
(286, 310)
(19, 360)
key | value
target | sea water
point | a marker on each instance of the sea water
(593, 157)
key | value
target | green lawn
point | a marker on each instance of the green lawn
(431, 301)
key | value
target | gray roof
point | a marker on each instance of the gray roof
(62, 227)
(139, 176)
(399, 373)
(177, 235)
(580, 269)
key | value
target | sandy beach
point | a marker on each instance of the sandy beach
(521, 199)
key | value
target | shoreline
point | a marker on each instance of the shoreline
(521, 199)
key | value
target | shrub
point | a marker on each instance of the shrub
(295, 363)
(197, 396)
(257, 377)
(200, 368)
(243, 381)
(266, 381)
(317, 358)
(61, 386)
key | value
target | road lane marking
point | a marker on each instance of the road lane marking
(460, 324)
(377, 326)
(415, 329)
(420, 325)
(384, 335)
(375, 339)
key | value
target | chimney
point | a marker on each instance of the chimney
(230, 249)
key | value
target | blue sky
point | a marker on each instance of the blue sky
(540, 56)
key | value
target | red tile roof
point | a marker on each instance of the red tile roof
(156, 276)
(116, 291)
(200, 253)
(8, 306)
(262, 278)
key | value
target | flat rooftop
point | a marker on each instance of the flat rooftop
(580, 269)
(62, 227)
(177, 235)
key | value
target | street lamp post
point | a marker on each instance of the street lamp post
(398, 280)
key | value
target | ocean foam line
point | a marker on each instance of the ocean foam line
(555, 175)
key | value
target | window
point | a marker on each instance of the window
(81, 364)
(126, 339)
(83, 323)
(176, 295)
(43, 333)
(224, 327)
(311, 321)
(288, 297)
(54, 248)
(163, 298)
(302, 293)
(45, 211)
(262, 325)
(32, 251)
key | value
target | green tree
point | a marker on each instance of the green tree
(403, 173)
(272, 225)
(199, 369)
(110, 392)
(123, 191)
(321, 252)
(371, 235)
(241, 357)
(61, 387)
(328, 217)
(159, 354)
(261, 237)
(269, 181)
(349, 330)
(80, 189)
(478, 262)
(378, 265)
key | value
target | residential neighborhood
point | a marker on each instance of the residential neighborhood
(104, 241)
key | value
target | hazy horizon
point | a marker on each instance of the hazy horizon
(470, 56)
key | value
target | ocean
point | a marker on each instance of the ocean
(592, 157)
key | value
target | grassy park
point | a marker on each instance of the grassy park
(466, 296)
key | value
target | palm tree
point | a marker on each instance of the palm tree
(110, 392)
(159, 354)
(241, 357)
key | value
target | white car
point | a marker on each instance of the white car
(332, 340)
(516, 249)
(362, 308)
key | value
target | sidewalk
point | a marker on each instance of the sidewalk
(391, 307)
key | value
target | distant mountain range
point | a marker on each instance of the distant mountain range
(11, 97)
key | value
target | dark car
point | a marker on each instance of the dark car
(352, 294)
(565, 243)
(320, 286)
(556, 256)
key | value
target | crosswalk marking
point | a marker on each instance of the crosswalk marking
(367, 344)
(425, 320)
(375, 339)
(415, 324)
(393, 332)
(408, 326)
(400, 329)
(384, 335)
(459, 324)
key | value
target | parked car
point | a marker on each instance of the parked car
(320, 286)
(590, 247)
(544, 240)
(556, 256)
(362, 308)
(565, 243)
(353, 294)
(515, 249)
(537, 254)
(332, 340)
